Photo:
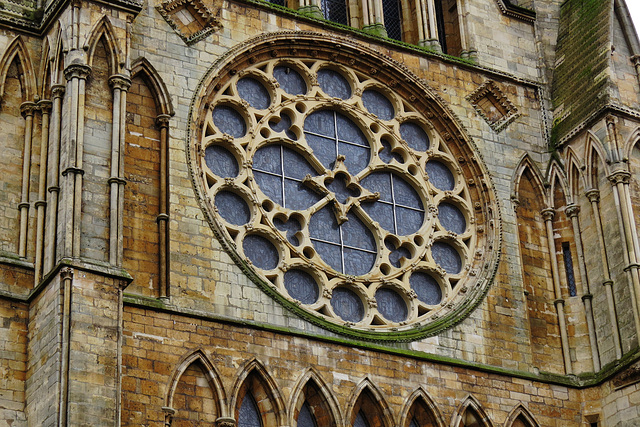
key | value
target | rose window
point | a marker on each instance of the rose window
(336, 195)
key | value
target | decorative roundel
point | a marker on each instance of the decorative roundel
(345, 199)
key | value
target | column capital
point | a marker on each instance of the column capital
(162, 121)
(635, 59)
(548, 214)
(225, 422)
(572, 210)
(619, 176)
(28, 108)
(593, 195)
(57, 91)
(45, 106)
(66, 273)
(80, 71)
(120, 81)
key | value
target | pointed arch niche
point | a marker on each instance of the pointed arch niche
(471, 414)
(536, 268)
(145, 214)
(313, 403)
(368, 408)
(421, 411)
(521, 417)
(257, 401)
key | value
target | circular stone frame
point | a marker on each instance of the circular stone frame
(473, 194)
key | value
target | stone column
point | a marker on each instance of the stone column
(27, 109)
(162, 122)
(66, 275)
(53, 169)
(547, 215)
(572, 212)
(45, 108)
(594, 198)
(433, 39)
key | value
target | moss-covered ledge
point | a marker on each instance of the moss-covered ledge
(572, 381)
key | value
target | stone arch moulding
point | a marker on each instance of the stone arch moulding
(143, 68)
(412, 100)
(471, 403)
(524, 164)
(575, 173)
(311, 375)
(366, 386)
(104, 28)
(631, 142)
(418, 395)
(556, 176)
(596, 156)
(523, 413)
(18, 49)
(198, 356)
(255, 367)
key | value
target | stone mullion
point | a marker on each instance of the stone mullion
(76, 76)
(572, 212)
(617, 178)
(594, 197)
(126, 84)
(432, 30)
(548, 215)
(464, 35)
(45, 108)
(28, 110)
(57, 92)
(163, 216)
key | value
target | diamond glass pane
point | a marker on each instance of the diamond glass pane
(378, 104)
(335, 10)
(391, 305)
(451, 218)
(440, 176)
(347, 304)
(249, 416)
(305, 419)
(229, 121)
(392, 15)
(290, 80)
(414, 136)
(361, 420)
(260, 251)
(233, 208)
(221, 162)
(254, 93)
(446, 257)
(301, 286)
(333, 84)
(426, 287)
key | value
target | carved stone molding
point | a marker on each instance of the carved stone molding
(493, 106)
(191, 19)
(628, 377)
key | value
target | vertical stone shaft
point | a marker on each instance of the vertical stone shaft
(548, 215)
(66, 275)
(163, 218)
(27, 109)
(45, 108)
(53, 169)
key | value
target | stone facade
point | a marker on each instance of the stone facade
(128, 295)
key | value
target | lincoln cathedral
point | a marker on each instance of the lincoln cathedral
(319, 213)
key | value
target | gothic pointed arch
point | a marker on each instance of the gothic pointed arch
(17, 51)
(186, 388)
(254, 382)
(367, 403)
(521, 417)
(143, 68)
(421, 409)
(44, 73)
(557, 181)
(471, 414)
(575, 177)
(596, 159)
(527, 167)
(103, 29)
(631, 142)
(313, 391)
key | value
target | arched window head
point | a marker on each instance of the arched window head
(249, 415)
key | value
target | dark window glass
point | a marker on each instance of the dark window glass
(249, 416)
(335, 10)
(232, 208)
(399, 208)
(440, 175)
(284, 124)
(386, 155)
(290, 80)
(361, 420)
(414, 136)
(221, 161)
(262, 253)
(332, 83)
(378, 104)
(329, 133)
(278, 2)
(254, 93)
(446, 257)
(451, 218)
(391, 305)
(397, 254)
(568, 268)
(414, 423)
(426, 287)
(291, 227)
(392, 18)
(229, 121)
(347, 305)
(301, 286)
(305, 418)
(339, 187)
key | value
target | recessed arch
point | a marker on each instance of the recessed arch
(367, 399)
(596, 157)
(311, 388)
(420, 405)
(17, 50)
(575, 176)
(213, 377)
(521, 417)
(527, 166)
(143, 68)
(471, 414)
(103, 29)
(557, 182)
(255, 379)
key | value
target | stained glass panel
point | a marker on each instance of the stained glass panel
(305, 419)
(262, 253)
(301, 286)
(290, 80)
(347, 305)
(229, 121)
(378, 104)
(332, 83)
(391, 305)
(232, 208)
(426, 287)
(361, 420)
(249, 416)
(254, 93)
(414, 136)
(440, 176)
(220, 161)
(451, 218)
(446, 257)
